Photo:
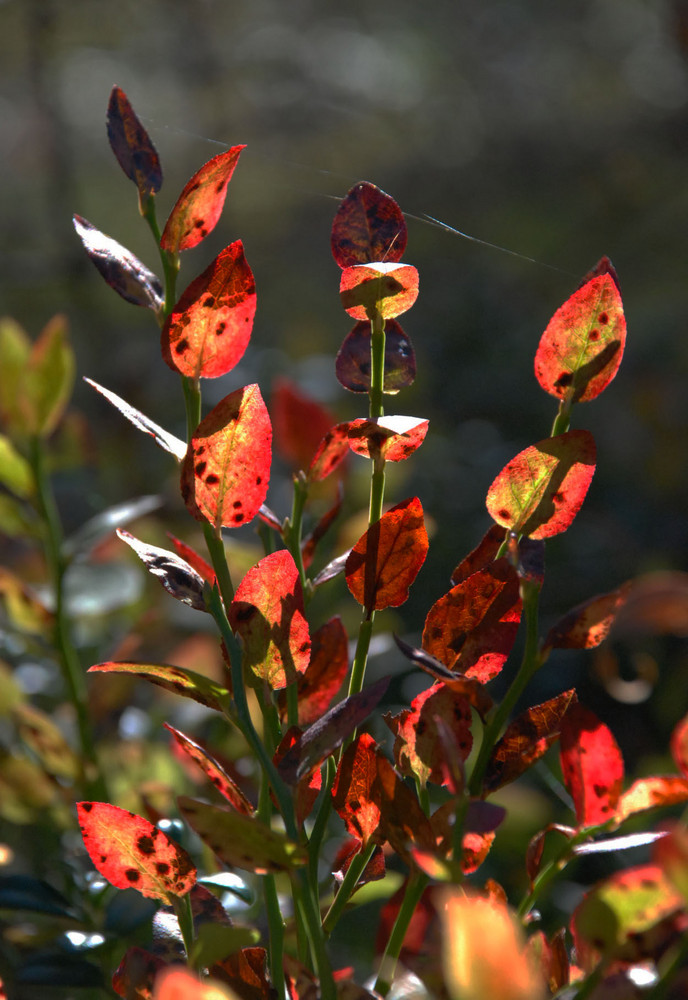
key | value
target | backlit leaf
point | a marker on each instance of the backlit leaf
(225, 785)
(591, 764)
(588, 624)
(603, 266)
(581, 349)
(389, 289)
(131, 853)
(468, 687)
(352, 365)
(391, 438)
(373, 871)
(309, 785)
(540, 491)
(526, 739)
(168, 442)
(472, 628)
(241, 841)
(484, 952)
(325, 674)
(386, 559)
(15, 471)
(175, 983)
(15, 350)
(679, 745)
(226, 472)
(178, 680)
(483, 554)
(330, 453)
(418, 749)
(368, 226)
(120, 268)
(208, 330)
(299, 423)
(47, 381)
(175, 574)
(246, 974)
(200, 204)
(268, 613)
(323, 737)
(671, 854)
(131, 144)
(651, 793)
(22, 608)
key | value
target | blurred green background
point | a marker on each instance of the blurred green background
(555, 130)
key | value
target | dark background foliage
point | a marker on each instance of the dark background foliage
(557, 131)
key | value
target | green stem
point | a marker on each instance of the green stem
(529, 665)
(170, 261)
(293, 530)
(348, 887)
(218, 557)
(92, 779)
(562, 421)
(272, 907)
(414, 890)
(192, 401)
(182, 909)
(321, 820)
(311, 914)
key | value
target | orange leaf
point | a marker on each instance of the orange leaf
(526, 739)
(588, 624)
(391, 438)
(200, 204)
(131, 853)
(208, 330)
(225, 785)
(131, 144)
(331, 451)
(581, 349)
(246, 973)
(136, 973)
(650, 793)
(592, 765)
(473, 627)
(226, 471)
(368, 226)
(389, 289)
(386, 559)
(175, 983)
(540, 491)
(267, 612)
(481, 556)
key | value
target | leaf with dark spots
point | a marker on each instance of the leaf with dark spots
(226, 471)
(588, 624)
(241, 841)
(591, 764)
(200, 204)
(473, 690)
(384, 289)
(386, 559)
(651, 793)
(369, 226)
(178, 680)
(268, 613)
(321, 739)
(131, 144)
(208, 330)
(390, 438)
(581, 349)
(120, 268)
(352, 365)
(330, 453)
(168, 442)
(540, 491)
(130, 852)
(325, 674)
(472, 629)
(299, 424)
(225, 785)
(526, 739)
(175, 574)
(419, 747)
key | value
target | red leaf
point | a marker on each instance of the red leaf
(325, 674)
(330, 453)
(352, 365)
(472, 628)
(246, 973)
(189, 555)
(299, 423)
(526, 739)
(592, 765)
(308, 787)
(208, 330)
(540, 491)
(368, 226)
(481, 556)
(588, 624)
(386, 559)
(581, 349)
(131, 144)
(385, 288)
(651, 793)
(200, 204)
(267, 612)
(131, 853)
(418, 747)
(390, 438)
(119, 267)
(603, 266)
(226, 471)
(225, 785)
(679, 745)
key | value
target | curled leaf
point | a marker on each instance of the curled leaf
(120, 268)
(419, 747)
(175, 574)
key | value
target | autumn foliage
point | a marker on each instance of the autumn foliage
(322, 785)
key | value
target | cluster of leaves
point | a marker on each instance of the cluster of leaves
(424, 810)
